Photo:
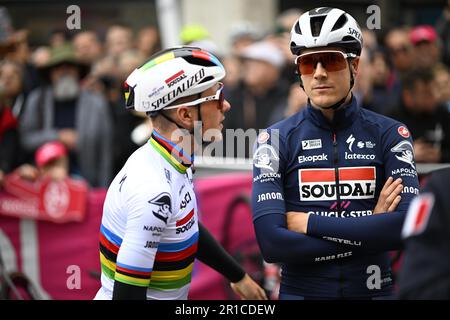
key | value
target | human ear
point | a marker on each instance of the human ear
(354, 65)
(186, 116)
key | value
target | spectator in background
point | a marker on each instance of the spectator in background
(371, 85)
(242, 35)
(370, 40)
(148, 41)
(124, 121)
(297, 100)
(11, 102)
(52, 160)
(443, 29)
(401, 57)
(282, 38)
(87, 46)
(58, 38)
(40, 56)
(11, 87)
(427, 51)
(15, 48)
(363, 79)
(74, 116)
(9, 141)
(442, 85)
(427, 121)
(258, 100)
(380, 77)
(119, 38)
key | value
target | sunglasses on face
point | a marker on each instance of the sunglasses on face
(332, 60)
(219, 96)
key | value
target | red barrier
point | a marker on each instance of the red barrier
(62, 259)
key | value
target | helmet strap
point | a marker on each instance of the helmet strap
(162, 113)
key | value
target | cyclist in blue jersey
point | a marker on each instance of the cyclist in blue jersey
(332, 183)
(150, 233)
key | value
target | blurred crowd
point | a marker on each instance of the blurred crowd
(66, 94)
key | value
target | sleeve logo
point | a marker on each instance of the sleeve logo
(163, 206)
(403, 131)
(263, 137)
(266, 157)
(404, 152)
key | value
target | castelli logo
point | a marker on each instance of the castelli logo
(56, 199)
(403, 131)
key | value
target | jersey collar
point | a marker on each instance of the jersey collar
(171, 152)
(343, 117)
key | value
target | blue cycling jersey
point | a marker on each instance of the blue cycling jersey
(334, 171)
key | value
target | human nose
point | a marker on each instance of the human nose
(320, 71)
(226, 106)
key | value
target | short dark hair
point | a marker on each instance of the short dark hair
(410, 78)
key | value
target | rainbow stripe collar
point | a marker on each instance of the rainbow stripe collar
(171, 152)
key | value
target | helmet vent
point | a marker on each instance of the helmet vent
(297, 28)
(316, 25)
(348, 38)
(207, 79)
(199, 61)
(340, 22)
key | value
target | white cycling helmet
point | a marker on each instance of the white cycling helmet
(170, 75)
(326, 27)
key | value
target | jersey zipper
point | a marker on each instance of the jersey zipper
(338, 207)
(336, 172)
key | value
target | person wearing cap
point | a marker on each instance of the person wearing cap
(427, 48)
(327, 181)
(426, 117)
(262, 90)
(150, 233)
(64, 111)
(51, 160)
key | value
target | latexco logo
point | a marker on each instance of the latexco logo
(360, 145)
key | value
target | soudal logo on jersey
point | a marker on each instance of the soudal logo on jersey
(177, 77)
(186, 223)
(320, 184)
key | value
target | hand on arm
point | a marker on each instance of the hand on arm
(387, 202)
(389, 196)
(248, 289)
